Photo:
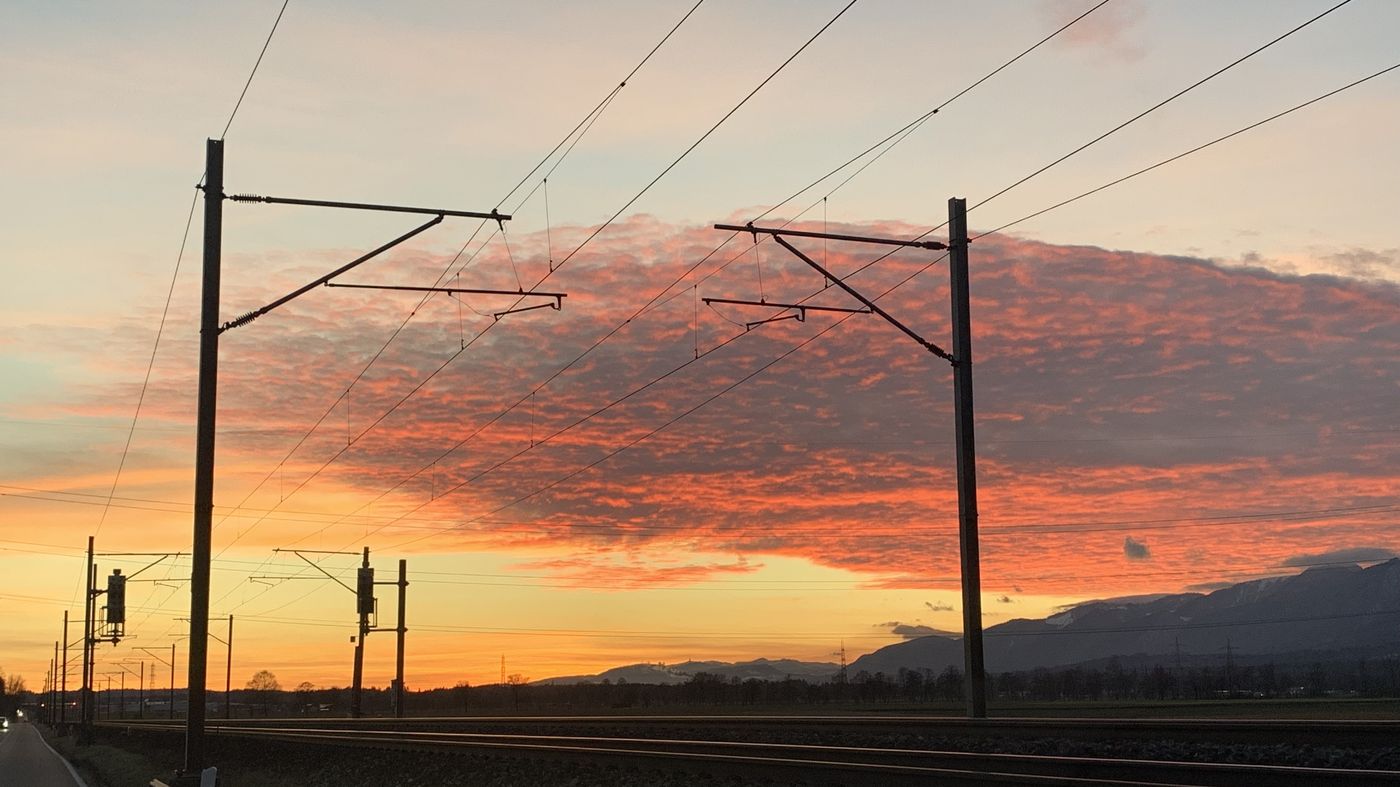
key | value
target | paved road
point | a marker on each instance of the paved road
(26, 761)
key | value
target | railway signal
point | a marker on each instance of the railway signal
(366, 605)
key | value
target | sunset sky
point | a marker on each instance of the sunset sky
(1188, 379)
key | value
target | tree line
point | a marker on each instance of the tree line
(1109, 680)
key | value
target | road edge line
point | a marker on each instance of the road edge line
(78, 780)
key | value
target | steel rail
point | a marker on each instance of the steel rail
(874, 763)
(1356, 732)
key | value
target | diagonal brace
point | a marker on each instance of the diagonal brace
(557, 306)
(323, 571)
(256, 313)
(927, 345)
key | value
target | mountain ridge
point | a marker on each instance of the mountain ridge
(1321, 609)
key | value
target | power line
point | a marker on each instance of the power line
(904, 133)
(608, 456)
(576, 134)
(150, 364)
(1184, 154)
(684, 413)
(1120, 126)
(889, 143)
(913, 125)
(254, 72)
(1160, 104)
(596, 232)
(165, 311)
(1130, 121)
(898, 136)
(710, 131)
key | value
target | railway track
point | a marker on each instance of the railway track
(1339, 733)
(809, 763)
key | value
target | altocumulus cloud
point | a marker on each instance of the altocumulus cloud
(1110, 385)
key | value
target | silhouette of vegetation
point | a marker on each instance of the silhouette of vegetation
(264, 688)
(1195, 678)
(11, 689)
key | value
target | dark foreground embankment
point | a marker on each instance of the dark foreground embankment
(264, 763)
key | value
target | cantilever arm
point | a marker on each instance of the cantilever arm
(323, 571)
(256, 313)
(927, 345)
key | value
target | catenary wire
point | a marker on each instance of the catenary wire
(254, 72)
(892, 139)
(1160, 104)
(575, 134)
(1184, 154)
(175, 275)
(675, 162)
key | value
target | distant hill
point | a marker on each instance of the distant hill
(661, 674)
(1332, 610)
(1326, 609)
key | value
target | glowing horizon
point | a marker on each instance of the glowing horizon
(1185, 381)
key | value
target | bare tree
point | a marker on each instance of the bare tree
(11, 687)
(515, 681)
(263, 684)
(306, 694)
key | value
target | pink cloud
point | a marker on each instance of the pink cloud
(1111, 386)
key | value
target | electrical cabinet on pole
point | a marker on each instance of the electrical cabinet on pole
(961, 360)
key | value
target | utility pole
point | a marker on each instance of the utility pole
(365, 606)
(206, 411)
(86, 708)
(63, 681)
(364, 598)
(204, 464)
(961, 360)
(967, 459)
(141, 694)
(170, 664)
(401, 630)
(228, 666)
(228, 673)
